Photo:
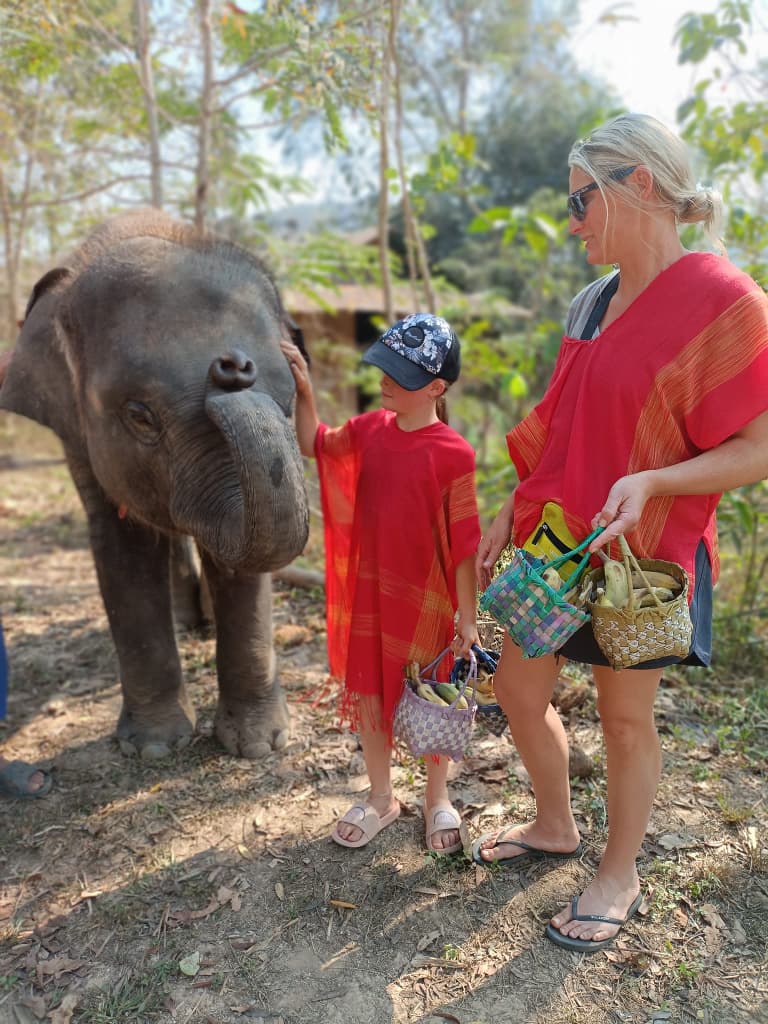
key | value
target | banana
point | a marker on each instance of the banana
(484, 699)
(427, 692)
(615, 583)
(552, 578)
(644, 598)
(449, 693)
(656, 579)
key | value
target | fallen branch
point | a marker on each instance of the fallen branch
(297, 577)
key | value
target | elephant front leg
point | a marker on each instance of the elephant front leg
(252, 716)
(133, 571)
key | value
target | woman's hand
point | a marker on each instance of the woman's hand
(492, 543)
(623, 508)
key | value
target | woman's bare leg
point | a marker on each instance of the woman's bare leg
(523, 688)
(633, 768)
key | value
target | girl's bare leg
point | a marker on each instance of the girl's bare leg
(523, 688)
(437, 790)
(633, 760)
(377, 753)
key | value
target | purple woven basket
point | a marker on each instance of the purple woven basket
(428, 728)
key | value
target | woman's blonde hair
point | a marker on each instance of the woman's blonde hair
(632, 139)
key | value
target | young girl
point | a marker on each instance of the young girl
(401, 532)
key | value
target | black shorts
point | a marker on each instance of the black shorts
(583, 647)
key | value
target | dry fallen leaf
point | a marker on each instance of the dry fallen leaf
(190, 965)
(36, 1004)
(63, 1012)
(279, 891)
(427, 940)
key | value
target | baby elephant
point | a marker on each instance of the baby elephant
(154, 356)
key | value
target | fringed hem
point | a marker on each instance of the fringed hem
(358, 711)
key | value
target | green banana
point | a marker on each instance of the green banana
(428, 693)
(449, 693)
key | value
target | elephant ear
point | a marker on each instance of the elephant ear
(296, 335)
(38, 382)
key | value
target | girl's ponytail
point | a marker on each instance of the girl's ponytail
(441, 408)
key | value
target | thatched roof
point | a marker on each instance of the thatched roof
(369, 298)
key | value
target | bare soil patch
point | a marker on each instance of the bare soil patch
(205, 889)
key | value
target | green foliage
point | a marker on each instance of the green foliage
(726, 120)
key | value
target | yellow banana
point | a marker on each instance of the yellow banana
(615, 583)
(485, 698)
(552, 578)
(644, 598)
(656, 579)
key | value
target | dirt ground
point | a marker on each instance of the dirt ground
(205, 890)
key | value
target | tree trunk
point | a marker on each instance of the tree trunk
(11, 279)
(386, 65)
(150, 100)
(206, 108)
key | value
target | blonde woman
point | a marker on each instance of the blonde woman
(657, 404)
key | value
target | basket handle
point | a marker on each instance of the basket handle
(471, 674)
(631, 562)
(562, 559)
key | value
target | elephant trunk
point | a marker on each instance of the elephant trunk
(257, 520)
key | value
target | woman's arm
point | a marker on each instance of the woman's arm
(307, 420)
(493, 542)
(741, 460)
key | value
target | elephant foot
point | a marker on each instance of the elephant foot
(154, 731)
(252, 728)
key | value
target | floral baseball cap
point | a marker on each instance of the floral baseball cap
(417, 350)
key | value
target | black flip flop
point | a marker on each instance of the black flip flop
(589, 945)
(529, 852)
(14, 781)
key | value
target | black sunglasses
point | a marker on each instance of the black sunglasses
(576, 207)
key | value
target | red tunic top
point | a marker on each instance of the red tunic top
(400, 513)
(681, 370)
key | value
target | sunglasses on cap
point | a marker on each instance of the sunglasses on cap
(576, 207)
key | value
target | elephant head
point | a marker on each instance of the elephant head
(154, 356)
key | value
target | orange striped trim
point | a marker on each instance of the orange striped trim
(659, 440)
(528, 439)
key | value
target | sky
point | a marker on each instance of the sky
(638, 57)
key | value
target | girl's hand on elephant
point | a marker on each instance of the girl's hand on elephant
(298, 365)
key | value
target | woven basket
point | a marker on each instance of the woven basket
(537, 617)
(489, 715)
(428, 728)
(631, 635)
(493, 718)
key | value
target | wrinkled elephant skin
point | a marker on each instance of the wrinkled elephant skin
(154, 355)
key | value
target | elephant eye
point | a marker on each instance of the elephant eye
(141, 422)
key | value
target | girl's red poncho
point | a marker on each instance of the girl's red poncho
(400, 513)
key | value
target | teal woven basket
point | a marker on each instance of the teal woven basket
(537, 617)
